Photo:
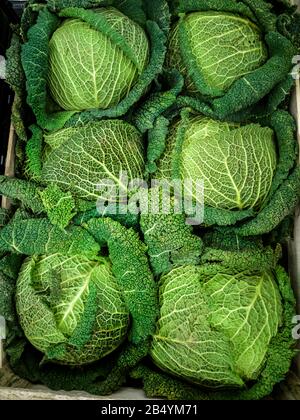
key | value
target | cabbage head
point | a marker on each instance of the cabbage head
(83, 61)
(79, 159)
(225, 47)
(249, 170)
(81, 303)
(234, 55)
(236, 163)
(215, 326)
(224, 329)
(93, 69)
(62, 300)
(69, 171)
(79, 167)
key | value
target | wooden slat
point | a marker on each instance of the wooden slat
(289, 389)
(294, 247)
(10, 162)
(42, 393)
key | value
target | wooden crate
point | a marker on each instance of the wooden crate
(19, 389)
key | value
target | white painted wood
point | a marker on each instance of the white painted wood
(43, 393)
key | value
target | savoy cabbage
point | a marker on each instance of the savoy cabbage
(79, 61)
(232, 54)
(225, 46)
(62, 300)
(112, 59)
(237, 163)
(250, 172)
(76, 301)
(224, 325)
(93, 146)
(70, 169)
(215, 324)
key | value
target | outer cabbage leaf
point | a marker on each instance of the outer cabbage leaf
(15, 77)
(130, 266)
(40, 237)
(127, 220)
(283, 204)
(7, 288)
(158, 102)
(169, 238)
(60, 206)
(223, 247)
(131, 8)
(34, 154)
(278, 98)
(137, 10)
(35, 65)
(23, 191)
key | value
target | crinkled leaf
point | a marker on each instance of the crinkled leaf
(39, 236)
(58, 205)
